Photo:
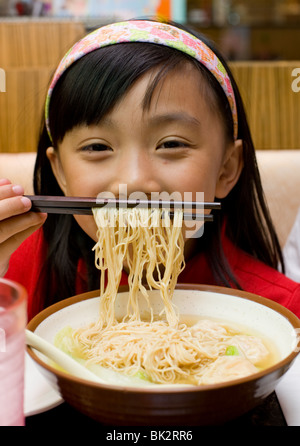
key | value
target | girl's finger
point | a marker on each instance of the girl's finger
(12, 206)
(10, 227)
(4, 181)
(7, 189)
(9, 246)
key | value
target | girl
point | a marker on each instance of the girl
(154, 107)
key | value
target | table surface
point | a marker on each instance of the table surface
(267, 414)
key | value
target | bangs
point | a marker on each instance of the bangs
(94, 84)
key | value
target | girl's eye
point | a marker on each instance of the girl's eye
(97, 147)
(172, 144)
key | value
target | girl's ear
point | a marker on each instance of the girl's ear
(57, 169)
(231, 169)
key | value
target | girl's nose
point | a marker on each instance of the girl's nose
(137, 175)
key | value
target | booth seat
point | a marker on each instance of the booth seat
(280, 173)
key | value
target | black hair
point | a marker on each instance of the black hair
(84, 94)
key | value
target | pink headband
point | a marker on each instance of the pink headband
(150, 32)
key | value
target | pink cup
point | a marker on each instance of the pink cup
(13, 318)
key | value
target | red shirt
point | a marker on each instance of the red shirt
(253, 275)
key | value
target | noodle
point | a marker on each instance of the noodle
(164, 350)
(146, 239)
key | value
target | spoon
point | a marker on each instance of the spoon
(60, 358)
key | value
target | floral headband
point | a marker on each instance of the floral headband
(150, 32)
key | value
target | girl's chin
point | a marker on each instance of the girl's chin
(88, 225)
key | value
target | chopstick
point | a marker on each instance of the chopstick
(84, 205)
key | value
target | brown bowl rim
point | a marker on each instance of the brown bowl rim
(291, 317)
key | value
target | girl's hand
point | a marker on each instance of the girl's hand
(16, 223)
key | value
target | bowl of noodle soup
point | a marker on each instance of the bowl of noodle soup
(184, 393)
(168, 354)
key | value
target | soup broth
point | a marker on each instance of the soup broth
(199, 351)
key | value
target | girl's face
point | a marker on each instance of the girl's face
(176, 145)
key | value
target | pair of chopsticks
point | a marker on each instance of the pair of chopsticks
(84, 205)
